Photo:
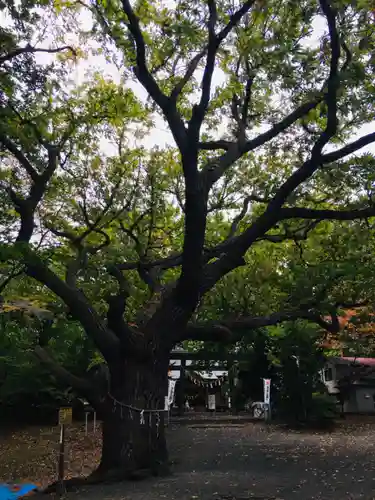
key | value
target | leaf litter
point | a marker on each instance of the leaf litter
(215, 463)
(32, 454)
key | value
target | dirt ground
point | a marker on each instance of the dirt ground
(243, 461)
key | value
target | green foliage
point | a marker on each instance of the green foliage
(291, 356)
(297, 360)
(110, 200)
(28, 391)
(333, 265)
(323, 409)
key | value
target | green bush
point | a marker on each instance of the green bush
(323, 409)
(29, 393)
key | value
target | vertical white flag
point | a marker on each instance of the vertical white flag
(267, 391)
(171, 392)
(212, 402)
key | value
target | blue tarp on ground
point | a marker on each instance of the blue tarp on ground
(16, 491)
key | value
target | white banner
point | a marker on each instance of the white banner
(171, 392)
(267, 390)
(212, 402)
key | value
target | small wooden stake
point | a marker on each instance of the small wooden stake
(61, 461)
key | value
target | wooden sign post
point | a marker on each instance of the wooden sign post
(88, 409)
(65, 418)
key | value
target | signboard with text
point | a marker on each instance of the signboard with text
(65, 415)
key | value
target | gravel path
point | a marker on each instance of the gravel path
(247, 461)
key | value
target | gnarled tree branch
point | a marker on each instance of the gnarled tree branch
(77, 303)
(311, 213)
(232, 331)
(348, 149)
(79, 384)
(214, 41)
(17, 153)
(29, 49)
(166, 104)
(215, 169)
(117, 305)
(298, 234)
(313, 163)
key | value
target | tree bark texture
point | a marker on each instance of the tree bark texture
(133, 420)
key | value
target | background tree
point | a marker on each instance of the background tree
(298, 358)
(284, 163)
(29, 392)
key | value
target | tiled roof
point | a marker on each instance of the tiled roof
(360, 361)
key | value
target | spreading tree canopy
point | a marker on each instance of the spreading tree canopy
(263, 100)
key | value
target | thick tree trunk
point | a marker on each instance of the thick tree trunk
(133, 423)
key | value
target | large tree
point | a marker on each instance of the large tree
(262, 117)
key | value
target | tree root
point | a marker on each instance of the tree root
(73, 484)
(99, 476)
(161, 469)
